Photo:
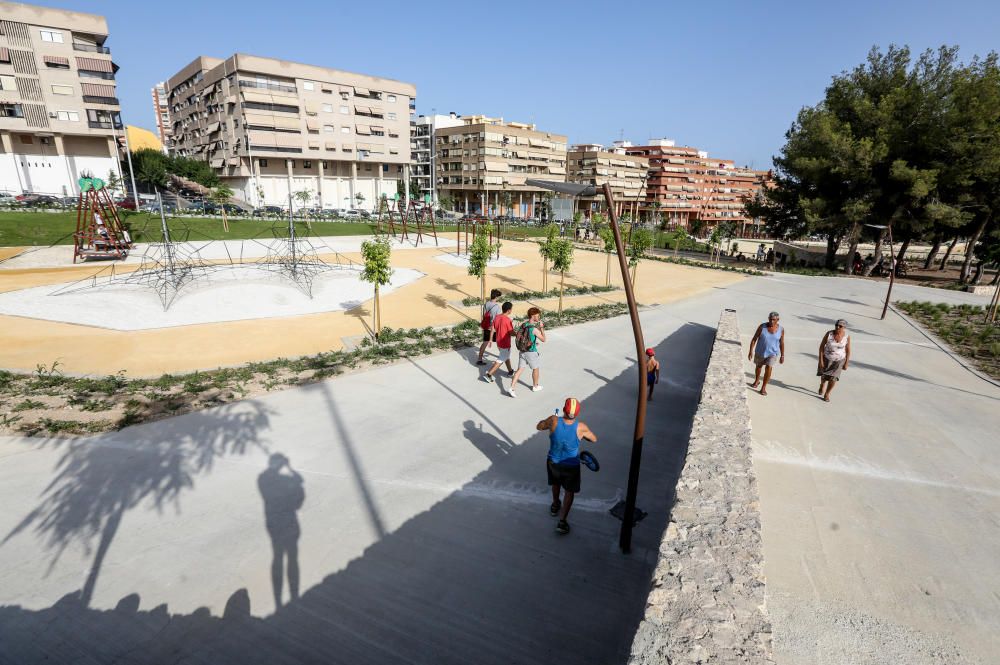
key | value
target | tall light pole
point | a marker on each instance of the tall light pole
(638, 432)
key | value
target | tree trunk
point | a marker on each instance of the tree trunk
(935, 248)
(947, 254)
(608, 271)
(225, 220)
(996, 275)
(635, 271)
(562, 281)
(832, 245)
(852, 249)
(482, 287)
(902, 253)
(877, 256)
(977, 276)
(963, 276)
(545, 275)
(375, 315)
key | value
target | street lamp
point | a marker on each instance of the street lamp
(892, 264)
(575, 189)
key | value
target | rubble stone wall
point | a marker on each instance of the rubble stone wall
(706, 604)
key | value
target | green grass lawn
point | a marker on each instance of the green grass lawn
(34, 229)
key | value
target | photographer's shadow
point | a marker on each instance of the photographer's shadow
(283, 495)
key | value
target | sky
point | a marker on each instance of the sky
(727, 77)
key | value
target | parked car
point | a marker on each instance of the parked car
(38, 201)
(268, 211)
(233, 209)
(352, 214)
(206, 207)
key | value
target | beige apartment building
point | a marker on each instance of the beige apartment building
(482, 165)
(59, 112)
(594, 164)
(271, 127)
(161, 111)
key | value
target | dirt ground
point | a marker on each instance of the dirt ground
(430, 301)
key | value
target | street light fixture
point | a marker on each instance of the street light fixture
(892, 264)
(574, 189)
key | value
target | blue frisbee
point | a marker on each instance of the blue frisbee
(589, 461)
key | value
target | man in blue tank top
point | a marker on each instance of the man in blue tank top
(563, 463)
(767, 348)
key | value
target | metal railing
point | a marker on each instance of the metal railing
(92, 49)
(267, 86)
(93, 99)
(102, 124)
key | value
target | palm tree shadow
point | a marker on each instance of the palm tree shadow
(436, 300)
(451, 286)
(363, 314)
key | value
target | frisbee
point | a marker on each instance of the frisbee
(588, 460)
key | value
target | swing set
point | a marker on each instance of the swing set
(416, 216)
(100, 234)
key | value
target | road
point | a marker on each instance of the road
(424, 534)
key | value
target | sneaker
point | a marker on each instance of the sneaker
(554, 508)
(536, 389)
(480, 362)
(562, 527)
(512, 393)
(510, 374)
(488, 378)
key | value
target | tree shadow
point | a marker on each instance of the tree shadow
(362, 314)
(436, 300)
(848, 301)
(452, 286)
(479, 576)
(97, 482)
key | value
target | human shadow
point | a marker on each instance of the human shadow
(283, 495)
(478, 576)
(97, 483)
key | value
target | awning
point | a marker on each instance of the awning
(330, 146)
(262, 139)
(256, 97)
(288, 140)
(217, 162)
(287, 122)
(326, 87)
(4, 54)
(56, 60)
(312, 124)
(260, 119)
(214, 127)
(362, 92)
(377, 149)
(362, 109)
(314, 145)
(558, 170)
(498, 166)
(311, 108)
(364, 129)
(537, 142)
(347, 147)
(97, 90)
(377, 128)
(365, 146)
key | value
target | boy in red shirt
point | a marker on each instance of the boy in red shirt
(503, 329)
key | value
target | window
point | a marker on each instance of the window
(391, 116)
(62, 90)
(262, 162)
(327, 108)
(11, 111)
(71, 116)
(391, 98)
(7, 83)
(345, 130)
(345, 95)
(345, 110)
(328, 129)
(307, 165)
(308, 85)
(51, 36)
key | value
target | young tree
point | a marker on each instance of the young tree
(479, 257)
(562, 259)
(378, 271)
(545, 249)
(677, 236)
(608, 238)
(641, 241)
(114, 183)
(221, 196)
(360, 198)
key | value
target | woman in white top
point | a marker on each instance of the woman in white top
(834, 356)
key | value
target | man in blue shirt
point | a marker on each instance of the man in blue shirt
(563, 463)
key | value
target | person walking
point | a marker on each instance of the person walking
(652, 372)
(529, 334)
(503, 332)
(767, 349)
(563, 462)
(834, 357)
(491, 309)
(760, 253)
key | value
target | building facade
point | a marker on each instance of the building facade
(59, 111)
(688, 188)
(594, 164)
(272, 128)
(422, 156)
(161, 111)
(482, 165)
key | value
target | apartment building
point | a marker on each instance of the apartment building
(272, 127)
(59, 112)
(422, 157)
(482, 165)
(693, 189)
(161, 111)
(595, 164)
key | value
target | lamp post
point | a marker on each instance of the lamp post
(892, 265)
(638, 432)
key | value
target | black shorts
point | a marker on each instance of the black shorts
(566, 476)
(488, 335)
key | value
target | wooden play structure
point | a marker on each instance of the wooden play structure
(397, 219)
(99, 234)
(493, 228)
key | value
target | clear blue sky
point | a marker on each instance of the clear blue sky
(727, 77)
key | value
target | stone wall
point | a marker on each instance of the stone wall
(706, 604)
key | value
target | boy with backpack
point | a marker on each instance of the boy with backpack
(529, 334)
(503, 332)
(491, 309)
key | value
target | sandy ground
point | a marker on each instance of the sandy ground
(432, 300)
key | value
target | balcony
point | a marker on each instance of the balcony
(103, 124)
(91, 99)
(88, 48)
(281, 87)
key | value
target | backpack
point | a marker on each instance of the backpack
(523, 340)
(487, 321)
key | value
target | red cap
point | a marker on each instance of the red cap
(650, 352)
(572, 407)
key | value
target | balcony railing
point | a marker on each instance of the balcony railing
(267, 86)
(103, 124)
(91, 99)
(107, 76)
(92, 49)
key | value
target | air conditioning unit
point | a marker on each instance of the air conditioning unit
(45, 140)
(53, 114)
